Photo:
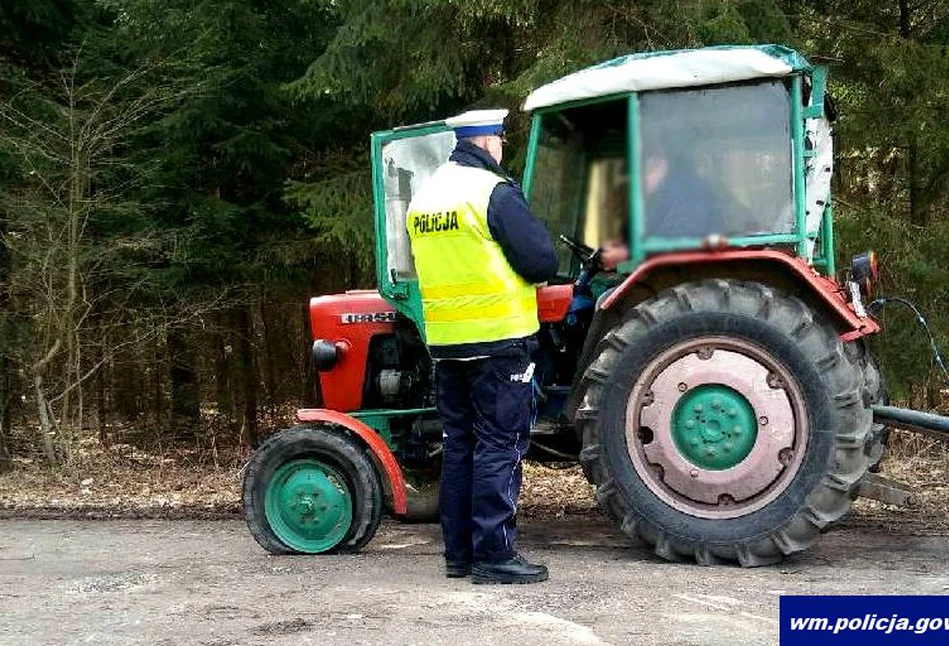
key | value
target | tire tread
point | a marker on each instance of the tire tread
(328, 443)
(843, 379)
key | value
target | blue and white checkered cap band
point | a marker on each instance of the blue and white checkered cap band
(463, 132)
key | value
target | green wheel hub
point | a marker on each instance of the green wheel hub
(308, 506)
(714, 427)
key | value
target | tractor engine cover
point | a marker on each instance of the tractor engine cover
(349, 322)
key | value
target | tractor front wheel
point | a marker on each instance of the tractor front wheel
(309, 490)
(723, 421)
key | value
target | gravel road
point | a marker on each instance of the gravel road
(207, 583)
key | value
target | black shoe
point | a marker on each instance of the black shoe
(515, 570)
(457, 569)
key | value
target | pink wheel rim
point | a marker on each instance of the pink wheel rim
(778, 449)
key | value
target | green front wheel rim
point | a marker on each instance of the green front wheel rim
(309, 506)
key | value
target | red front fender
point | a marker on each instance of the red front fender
(390, 466)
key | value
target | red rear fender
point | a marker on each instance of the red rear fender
(827, 290)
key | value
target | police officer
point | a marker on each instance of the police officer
(478, 252)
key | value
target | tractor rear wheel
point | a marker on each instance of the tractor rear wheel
(309, 490)
(876, 387)
(723, 421)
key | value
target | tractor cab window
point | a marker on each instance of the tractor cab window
(580, 182)
(405, 165)
(717, 161)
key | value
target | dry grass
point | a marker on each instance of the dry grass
(123, 481)
(922, 463)
(555, 492)
(126, 482)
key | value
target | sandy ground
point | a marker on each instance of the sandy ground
(208, 583)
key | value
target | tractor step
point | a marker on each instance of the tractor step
(877, 487)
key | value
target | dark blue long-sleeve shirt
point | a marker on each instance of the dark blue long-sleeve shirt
(523, 238)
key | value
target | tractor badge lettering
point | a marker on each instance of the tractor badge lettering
(369, 317)
(435, 222)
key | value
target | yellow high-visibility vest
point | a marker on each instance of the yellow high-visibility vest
(470, 293)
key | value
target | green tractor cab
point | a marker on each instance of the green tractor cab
(715, 388)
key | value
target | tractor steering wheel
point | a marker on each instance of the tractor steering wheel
(588, 256)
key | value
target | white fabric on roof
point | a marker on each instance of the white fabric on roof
(681, 69)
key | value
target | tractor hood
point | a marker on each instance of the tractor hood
(669, 69)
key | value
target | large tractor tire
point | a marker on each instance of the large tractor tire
(876, 387)
(310, 490)
(723, 421)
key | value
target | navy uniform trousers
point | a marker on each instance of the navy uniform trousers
(486, 408)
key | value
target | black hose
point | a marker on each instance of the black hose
(912, 419)
(878, 305)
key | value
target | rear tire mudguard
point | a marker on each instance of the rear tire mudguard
(392, 472)
(829, 291)
(610, 307)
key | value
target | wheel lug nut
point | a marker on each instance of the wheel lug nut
(690, 424)
(698, 408)
(736, 431)
(732, 412)
(716, 404)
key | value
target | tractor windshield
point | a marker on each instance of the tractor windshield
(406, 162)
(717, 161)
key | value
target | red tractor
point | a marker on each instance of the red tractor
(716, 388)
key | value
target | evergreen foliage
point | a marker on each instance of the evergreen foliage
(224, 175)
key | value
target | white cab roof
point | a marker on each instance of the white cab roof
(664, 70)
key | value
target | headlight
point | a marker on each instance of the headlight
(325, 354)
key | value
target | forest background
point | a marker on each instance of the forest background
(177, 177)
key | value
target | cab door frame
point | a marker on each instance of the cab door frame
(401, 292)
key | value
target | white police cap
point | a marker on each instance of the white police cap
(477, 122)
